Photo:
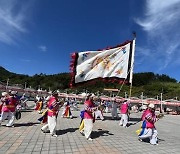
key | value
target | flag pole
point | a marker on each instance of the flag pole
(132, 63)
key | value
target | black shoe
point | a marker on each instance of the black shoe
(82, 133)
(43, 131)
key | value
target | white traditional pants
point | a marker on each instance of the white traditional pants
(124, 120)
(98, 113)
(150, 133)
(51, 124)
(10, 116)
(88, 126)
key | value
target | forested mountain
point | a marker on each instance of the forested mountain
(149, 83)
(56, 81)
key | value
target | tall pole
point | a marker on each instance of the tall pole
(25, 85)
(7, 83)
(161, 104)
(132, 63)
(142, 97)
(125, 94)
(157, 97)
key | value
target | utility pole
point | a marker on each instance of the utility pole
(7, 83)
(25, 85)
(157, 97)
(125, 95)
(161, 104)
(142, 97)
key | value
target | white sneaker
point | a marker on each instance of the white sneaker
(54, 135)
(9, 125)
(90, 139)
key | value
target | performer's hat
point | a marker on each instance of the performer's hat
(50, 92)
(4, 94)
(151, 106)
(13, 92)
(125, 101)
(92, 95)
(89, 95)
(55, 93)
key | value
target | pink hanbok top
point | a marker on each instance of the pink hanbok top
(88, 109)
(150, 118)
(53, 106)
(9, 104)
(124, 108)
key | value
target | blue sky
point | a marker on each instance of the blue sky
(37, 36)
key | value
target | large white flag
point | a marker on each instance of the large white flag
(109, 63)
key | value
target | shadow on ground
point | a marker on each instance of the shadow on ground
(64, 131)
(110, 118)
(25, 124)
(27, 110)
(74, 117)
(100, 132)
(160, 140)
(133, 121)
(147, 140)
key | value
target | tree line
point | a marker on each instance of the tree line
(149, 83)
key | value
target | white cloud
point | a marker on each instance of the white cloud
(145, 51)
(162, 22)
(43, 48)
(13, 18)
(142, 53)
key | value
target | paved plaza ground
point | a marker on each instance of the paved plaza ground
(108, 137)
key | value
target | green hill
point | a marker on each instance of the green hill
(149, 83)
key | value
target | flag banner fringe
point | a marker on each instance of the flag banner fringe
(77, 77)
